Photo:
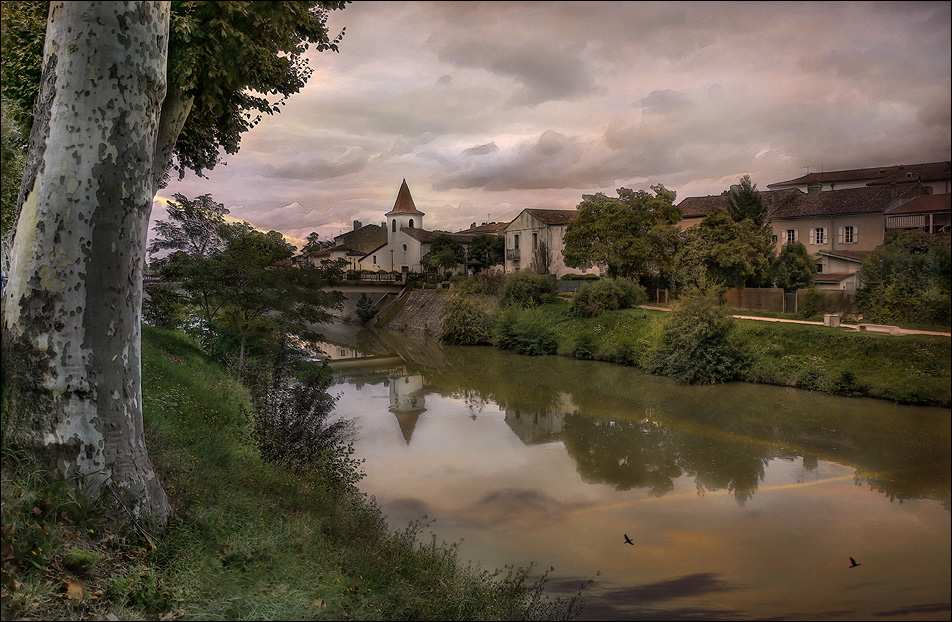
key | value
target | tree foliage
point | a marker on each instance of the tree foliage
(230, 63)
(793, 268)
(745, 203)
(907, 280)
(444, 253)
(242, 281)
(726, 251)
(633, 235)
(489, 249)
(195, 227)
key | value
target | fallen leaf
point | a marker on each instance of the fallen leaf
(111, 617)
(74, 591)
(320, 603)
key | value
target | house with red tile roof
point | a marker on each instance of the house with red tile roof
(840, 216)
(931, 213)
(934, 177)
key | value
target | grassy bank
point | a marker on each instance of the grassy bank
(249, 540)
(911, 369)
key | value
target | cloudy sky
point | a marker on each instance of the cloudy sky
(487, 108)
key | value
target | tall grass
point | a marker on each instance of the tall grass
(249, 540)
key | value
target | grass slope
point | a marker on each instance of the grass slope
(249, 540)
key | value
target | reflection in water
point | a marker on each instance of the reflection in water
(739, 498)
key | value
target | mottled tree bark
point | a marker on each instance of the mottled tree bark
(72, 307)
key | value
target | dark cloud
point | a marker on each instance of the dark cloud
(494, 107)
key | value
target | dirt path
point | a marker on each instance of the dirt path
(897, 331)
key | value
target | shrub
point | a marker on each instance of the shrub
(603, 295)
(365, 309)
(294, 422)
(526, 289)
(696, 343)
(525, 333)
(487, 282)
(583, 347)
(467, 320)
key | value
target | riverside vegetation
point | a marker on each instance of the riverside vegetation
(697, 342)
(251, 538)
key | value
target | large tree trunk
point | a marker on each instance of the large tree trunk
(71, 316)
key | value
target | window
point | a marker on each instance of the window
(375, 260)
(393, 225)
(535, 241)
(848, 235)
(516, 241)
(411, 223)
(404, 248)
(818, 235)
(789, 236)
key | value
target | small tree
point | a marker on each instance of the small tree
(731, 253)
(444, 253)
(793, 268)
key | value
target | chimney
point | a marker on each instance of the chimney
(356, 225)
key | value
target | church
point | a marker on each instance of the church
(407, 241)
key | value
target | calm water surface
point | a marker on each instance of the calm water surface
(742, 501)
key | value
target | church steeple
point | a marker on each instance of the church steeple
(404, 203)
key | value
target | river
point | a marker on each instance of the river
(741, 501)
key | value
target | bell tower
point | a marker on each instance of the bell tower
(404, 214)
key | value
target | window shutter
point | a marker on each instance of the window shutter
(839, 235)
(796, 235)
(855, 235)
(812, 235)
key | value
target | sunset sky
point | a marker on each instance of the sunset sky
(488, 108)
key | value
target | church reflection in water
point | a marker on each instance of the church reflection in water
(407, 402)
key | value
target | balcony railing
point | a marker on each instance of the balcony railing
(512, 254)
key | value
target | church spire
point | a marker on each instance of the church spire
(404, 203)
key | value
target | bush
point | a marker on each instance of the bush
(525, 333)
(468, 321)
(583, 347)
(487, 282)
(294, 422)
(696, 343)
(526, 289)
(603, 295)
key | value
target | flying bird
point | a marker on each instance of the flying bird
(628, 540)
(853, 562)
